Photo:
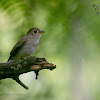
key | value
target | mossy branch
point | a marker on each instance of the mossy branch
(14, 68)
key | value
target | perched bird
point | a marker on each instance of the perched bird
(25, 47)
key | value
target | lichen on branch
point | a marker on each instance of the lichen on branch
(14, 68)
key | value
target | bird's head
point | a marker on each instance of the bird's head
(35, 31)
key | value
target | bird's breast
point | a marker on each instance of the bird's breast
(28, 49)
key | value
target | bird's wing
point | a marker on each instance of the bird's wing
(18, 46)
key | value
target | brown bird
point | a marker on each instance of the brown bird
(25, 47)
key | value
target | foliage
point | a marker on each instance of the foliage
(72, 32)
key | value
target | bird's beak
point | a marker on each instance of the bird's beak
(42, 32)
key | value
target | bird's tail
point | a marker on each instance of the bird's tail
(9, 58)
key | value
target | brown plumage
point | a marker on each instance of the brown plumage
(28, 41)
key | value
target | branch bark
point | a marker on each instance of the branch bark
(14, 68)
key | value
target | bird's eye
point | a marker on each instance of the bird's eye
(35, 31)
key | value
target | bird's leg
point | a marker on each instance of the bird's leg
(16, 78)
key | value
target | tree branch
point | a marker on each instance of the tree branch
(14, 68)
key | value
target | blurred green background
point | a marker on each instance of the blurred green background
(71, 42)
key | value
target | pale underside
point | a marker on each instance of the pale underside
(24, 48)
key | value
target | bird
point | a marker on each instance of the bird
(25, 47)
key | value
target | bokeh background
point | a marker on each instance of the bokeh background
(71, 42)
